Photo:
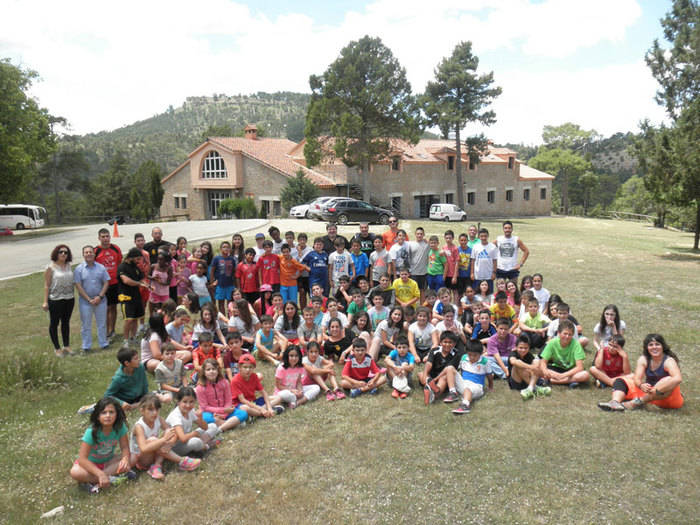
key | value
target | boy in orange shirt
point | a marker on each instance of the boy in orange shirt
(290, 269)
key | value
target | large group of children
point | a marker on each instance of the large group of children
(390, 311)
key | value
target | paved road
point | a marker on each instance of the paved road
(24, 256)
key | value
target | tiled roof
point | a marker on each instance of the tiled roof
(270, 152)
(528, 173)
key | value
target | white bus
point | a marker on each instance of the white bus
(21, 216)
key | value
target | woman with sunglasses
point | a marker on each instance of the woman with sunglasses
(59, 297)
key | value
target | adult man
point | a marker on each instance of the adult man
(330, 237)
(110, 256)
(418, 260)
(366, 239)
(473, 238)
(92, 281)
(277, 241)
(130, 280)
(508, 246)
(389, 236)
(484, 259)
(154, 246)
(145, 267)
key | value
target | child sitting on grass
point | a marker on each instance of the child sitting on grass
(214, 398)
(360, 373)
(97, 463)
(170, 372)
(319, 370)
(472, 372)
(289, 385)
(525, 371)
(246, 386)
(610, 362)
(400, 363)
(433, 377)
(232, 353)
(498, 348)
(193, 433)
(269, 344)
(130, 383)
(656, 380)
(561, 361)
(152, 440)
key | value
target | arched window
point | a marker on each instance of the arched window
(214, 167)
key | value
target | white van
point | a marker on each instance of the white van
(21, 216)
(447, 212)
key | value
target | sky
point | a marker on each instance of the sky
(106, 65)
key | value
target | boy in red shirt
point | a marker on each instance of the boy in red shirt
(268, 266)
(247, 276)
(451, 253)
(246, 385)
(360, 373)
(610, 362)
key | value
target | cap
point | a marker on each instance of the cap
(133, 253)
(266, 288)
(259, 235)
(246, 358)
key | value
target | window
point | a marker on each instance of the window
(543, 193)
(511, 162)
(449, 198)
(526, 194)
(276, 208)
(177, 202)
(509, 195)
(214, 167)
(491, 196)
(183, 202)
(451, 162)
(396, 204)
(215, 198)
(471, 197)
(395, 163)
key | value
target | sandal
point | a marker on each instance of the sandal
(156, 472)
(59, 352)
(189, 463)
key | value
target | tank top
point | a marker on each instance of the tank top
(148, 432)
(507, 252)
(655, 375)
(61, 287)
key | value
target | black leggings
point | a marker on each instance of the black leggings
(60, 311)
(619, 384)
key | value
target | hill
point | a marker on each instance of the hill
(169, 137)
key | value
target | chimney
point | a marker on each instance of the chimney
(251, 132)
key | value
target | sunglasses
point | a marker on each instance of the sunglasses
(393, 222)
(64, 252)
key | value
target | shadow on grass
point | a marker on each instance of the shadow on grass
(680, 254)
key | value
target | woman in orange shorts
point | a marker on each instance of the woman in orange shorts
(656, 380)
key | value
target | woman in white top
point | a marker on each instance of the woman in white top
(59, 297)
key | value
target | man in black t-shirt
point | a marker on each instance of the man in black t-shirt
(152, 247)
(330, 237)
(130, 280)
(433, 376)
(366, 239)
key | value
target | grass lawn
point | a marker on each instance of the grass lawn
(378, 460)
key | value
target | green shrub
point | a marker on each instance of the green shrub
(239, 208)
(30, 371)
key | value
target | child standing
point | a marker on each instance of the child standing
(339, 263)
(289, 385)
(437, 263)
(200, 284)
(97, 461)
(360, 260)
(451, 252)
(379, 260)
(247, 275)
(289, 272)
(152, 440)
(222, 275)
(161, 275)
(181, 275)
(317, 261)
(183, 419)
(214, 398)
(268, 266)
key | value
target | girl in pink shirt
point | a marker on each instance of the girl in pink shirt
(214, 398)
(289, 379)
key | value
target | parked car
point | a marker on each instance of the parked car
(119, 219)
(447, 212)
(300, 211)
(315, 207)
(344, 210)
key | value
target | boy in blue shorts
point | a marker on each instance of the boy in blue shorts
(400, 363)
(222, 275)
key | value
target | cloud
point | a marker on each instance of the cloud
(107, 67)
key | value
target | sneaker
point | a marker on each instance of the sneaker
(330, 396)
(611, 406)
(115, 481)
(188, 463)
(125, 343)
(86, 409)
(463, 408)
(395, 394)
(67, 351)
(293, 405)
(403, 395)
(373, 392)
(110, 335)
(188, 366)
(543, 390)
(543, 382)
(526, 394)
(428, 395)
(573, 385)
(451, 397)
(156, 472)
(279, 409)
(432, 384)
(632, 405)
(355, 392)
(90, 488)
(339, 394)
